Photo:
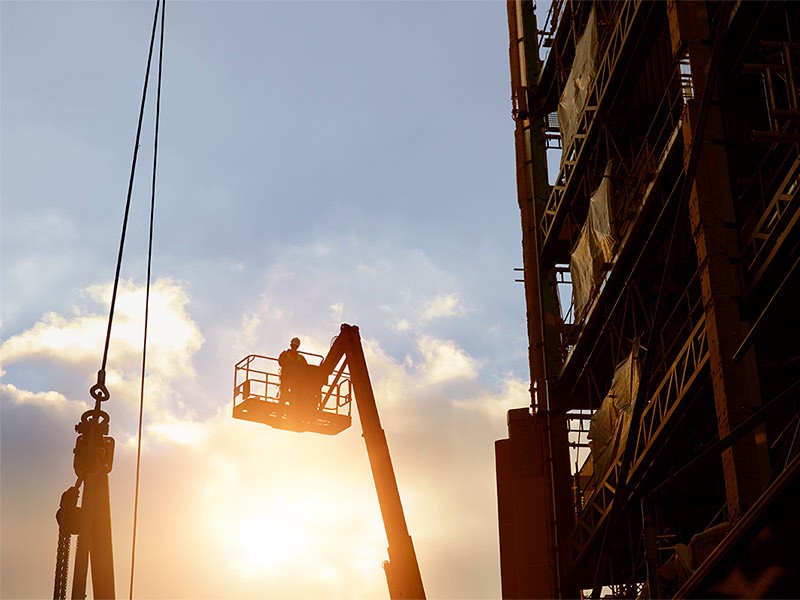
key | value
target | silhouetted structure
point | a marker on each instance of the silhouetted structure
(660, 455)
(328, 388)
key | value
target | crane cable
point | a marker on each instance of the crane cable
(67, 512)
(147, 291)
(101, 373)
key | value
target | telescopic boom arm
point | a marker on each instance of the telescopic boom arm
(402, 570)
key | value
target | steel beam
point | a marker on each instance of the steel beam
(543, 310)
(713, 222)
(662, 407)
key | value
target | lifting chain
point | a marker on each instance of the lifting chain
(68, 517)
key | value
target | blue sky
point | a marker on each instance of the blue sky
(319, 163)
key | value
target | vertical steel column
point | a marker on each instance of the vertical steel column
(713, 222)
(533, 189)
(543, 311)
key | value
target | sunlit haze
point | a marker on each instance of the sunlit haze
(320, 163)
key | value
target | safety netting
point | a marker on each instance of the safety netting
(611, 423)
(581, 77)
(594, 248)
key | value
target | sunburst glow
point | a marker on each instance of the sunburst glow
(268, 541)
(266, 536)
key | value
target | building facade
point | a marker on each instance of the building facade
(658, 171)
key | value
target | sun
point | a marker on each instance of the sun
(281, 519)
(269, 538)
(271, 541)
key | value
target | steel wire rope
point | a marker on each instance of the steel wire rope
(147, 294)
(99, 392)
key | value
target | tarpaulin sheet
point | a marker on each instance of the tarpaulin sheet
(581, 77)
(594, 248)
(610, 425)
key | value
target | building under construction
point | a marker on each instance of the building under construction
(658, 167)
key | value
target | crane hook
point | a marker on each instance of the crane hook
(99, 391)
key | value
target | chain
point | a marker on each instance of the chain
(67, 517)
(62, 565)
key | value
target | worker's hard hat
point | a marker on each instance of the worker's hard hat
(295, 342)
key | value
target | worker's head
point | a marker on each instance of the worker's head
(295, 343)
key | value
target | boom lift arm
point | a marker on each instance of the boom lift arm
(321, 403)
(402, 570)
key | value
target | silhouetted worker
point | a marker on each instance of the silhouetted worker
(293, 365)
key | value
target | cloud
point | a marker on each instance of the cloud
(47, 400)
(73, 340)
(363, 281)
(306, 499)
(75, 343)
(80, 337)
(270, 238)
(173, 430)
(337, 311)
(444, 361)
(252, 507)
(514, 394)
(447, 305)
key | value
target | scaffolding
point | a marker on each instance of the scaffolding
(661, 280)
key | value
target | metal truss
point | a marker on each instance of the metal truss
(584, 337)
(666, 400)
(636, 194)
(777, 221)
(662, 406)
(619, 44)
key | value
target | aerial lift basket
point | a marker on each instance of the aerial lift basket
(321, 405)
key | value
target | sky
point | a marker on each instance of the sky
(319, 163)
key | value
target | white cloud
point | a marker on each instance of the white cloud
(320, 248)
(402, 325)
(349, 229)
(300, 498)
(250, 323)
(76, 341)
(245, 336)
(172, 339)
(337, 311)
(49, 400)
(515, 394)
(443, 361)
(73, 340)
(179, 431)
(445, 305)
